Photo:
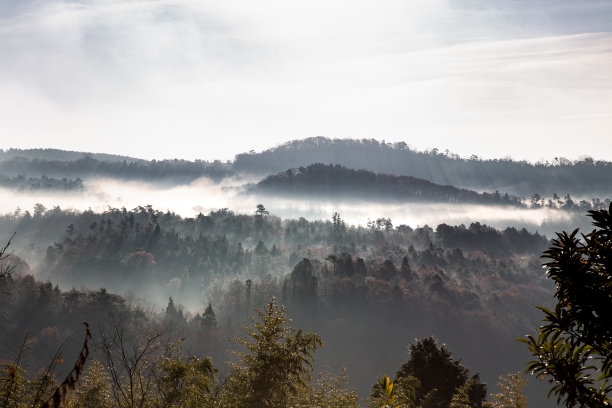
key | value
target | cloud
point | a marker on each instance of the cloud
(207, 79)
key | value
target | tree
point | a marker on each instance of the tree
(260, 249)
(574, 347)
(209, 320)
(95, 389)
(277, 365)
(6, 270)
(511, 392)
(130, 350)
(13, 382)
(440, 376)
(402, 393)
(39, 210)
(385, 395)
(261, 210)
(469, 395)
(185, 382)
(171, 312)
(327, 391)
(338, 225)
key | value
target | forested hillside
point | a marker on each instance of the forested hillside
(187, 281)
(22, 183)
(472, 287)
(561, 176)
(584, 178)
(179, 171)
(58, 154)
(320, 180)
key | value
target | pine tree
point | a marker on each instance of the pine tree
(209, 320)
(276, 366)
(440, 376)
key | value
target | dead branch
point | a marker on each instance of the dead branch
(6, 271)
(71, 381)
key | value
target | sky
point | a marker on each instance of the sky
(207, 79)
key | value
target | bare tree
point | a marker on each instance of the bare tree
(129, 358)
(6, 269)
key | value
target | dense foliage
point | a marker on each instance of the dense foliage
(366, 290)
(382, 284)
(88, 166)
(147, 370)
(23, 183)
(433, 172)
(439, 375)
(431, 378)
(574, 347)
(335, 180)
(580, 177)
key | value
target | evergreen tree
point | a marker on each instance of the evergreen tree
(185, 382)
(261, 210)
(439, 374)
(406, 269)
(171, 312)
(277, 364)
(209, 320)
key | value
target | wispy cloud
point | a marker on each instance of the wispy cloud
(166, 78)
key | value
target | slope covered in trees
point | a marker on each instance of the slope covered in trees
(180, 171)
(471, 286)
(585, 178)
(318, 180)
(58, 154)
(23, 183)
(163, 245)
(135, 361)
(562, 176)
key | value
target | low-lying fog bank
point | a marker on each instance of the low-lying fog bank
(203, 196)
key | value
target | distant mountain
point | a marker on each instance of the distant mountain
(57, 154)
(585, 177)
(175, 171)
(335, 180)
(23, 183)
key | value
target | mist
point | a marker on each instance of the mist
(185, 246)
(204, 195)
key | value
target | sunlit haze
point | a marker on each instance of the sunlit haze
(203, 196)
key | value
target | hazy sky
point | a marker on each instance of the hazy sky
(209, 79)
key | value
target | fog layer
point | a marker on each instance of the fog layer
(203, 196)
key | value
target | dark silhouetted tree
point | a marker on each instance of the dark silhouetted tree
(440, 375)
(261, 210)
(209, 320)
(574, 347)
